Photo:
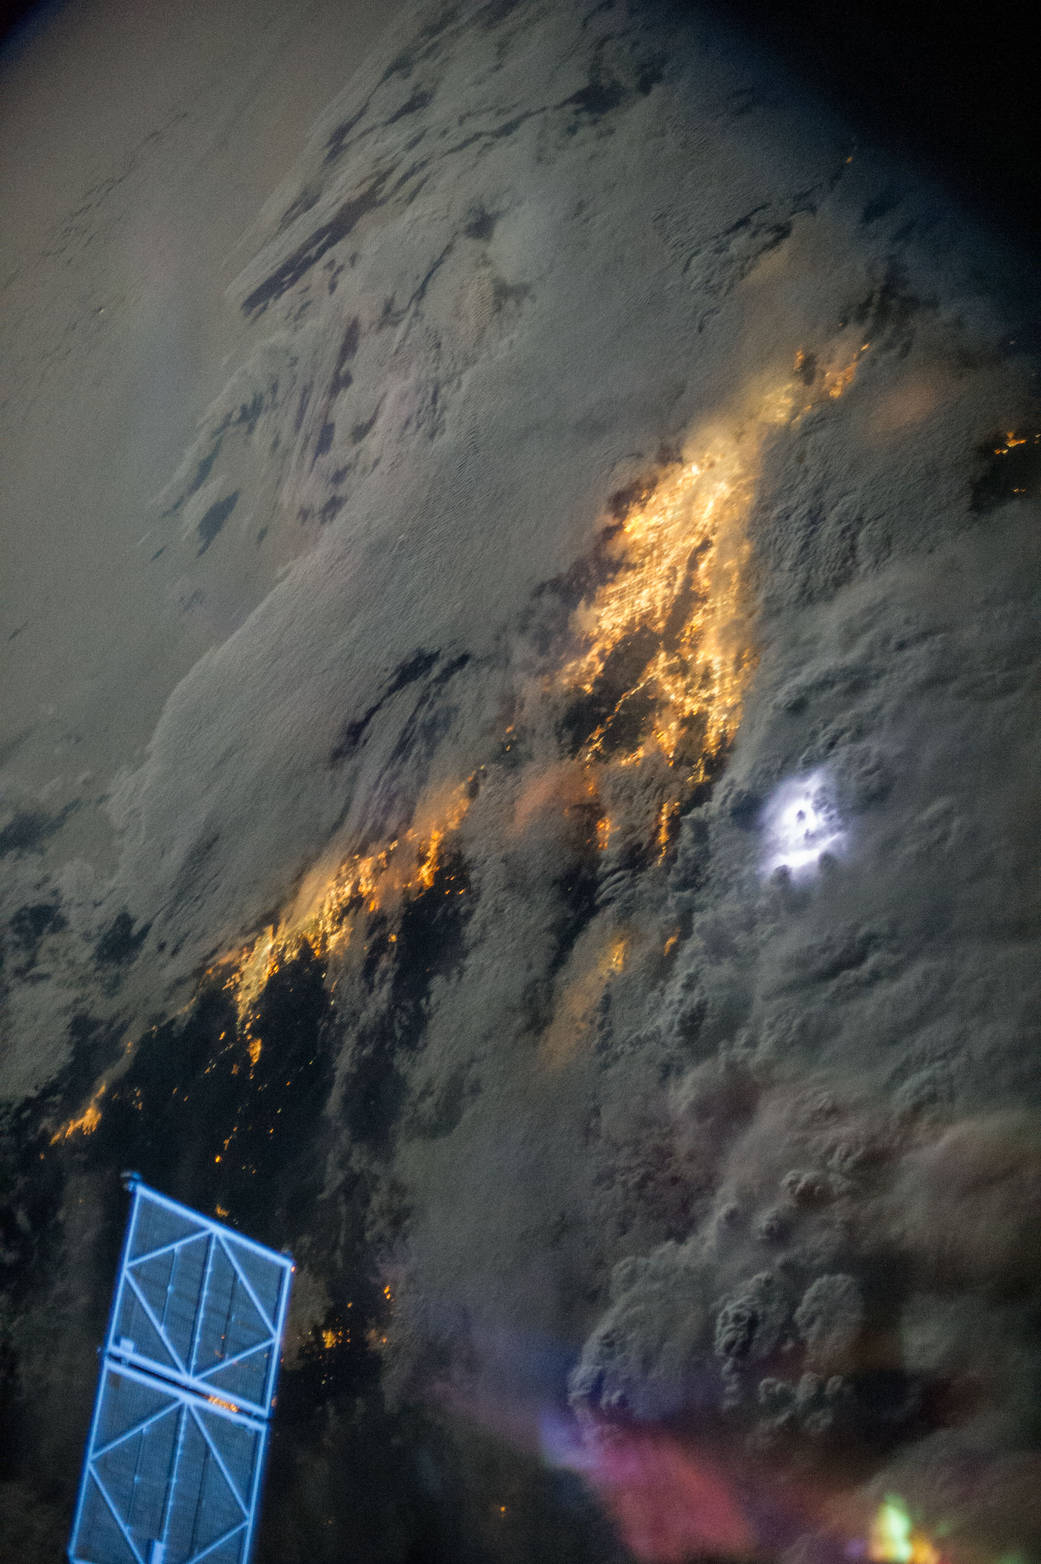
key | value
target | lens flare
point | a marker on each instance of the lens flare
(669, 1501)
(894, 1539)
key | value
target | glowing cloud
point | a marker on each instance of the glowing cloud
(800, 823)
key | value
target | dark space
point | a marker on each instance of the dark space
(954, 87)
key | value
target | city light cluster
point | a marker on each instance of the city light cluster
(664, 651)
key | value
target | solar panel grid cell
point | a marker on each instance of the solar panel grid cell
(175, 1455)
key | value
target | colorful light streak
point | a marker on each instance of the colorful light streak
(894, 1539)
(669, 1502)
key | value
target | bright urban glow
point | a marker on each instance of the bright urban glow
(660, 657)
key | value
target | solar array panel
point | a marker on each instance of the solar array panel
(175, 1456)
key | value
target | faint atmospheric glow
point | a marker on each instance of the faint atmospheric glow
(669, 1501)
(801, 823)
(599, 956)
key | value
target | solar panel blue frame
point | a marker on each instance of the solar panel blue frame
(199, 1303)
(169, 1476)
(176, 1450)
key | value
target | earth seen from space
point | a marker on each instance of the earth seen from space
(519, 777)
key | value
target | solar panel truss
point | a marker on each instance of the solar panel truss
(176, 1450)
(169, 1476)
